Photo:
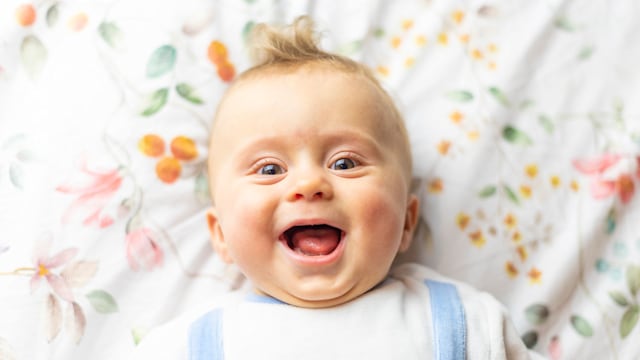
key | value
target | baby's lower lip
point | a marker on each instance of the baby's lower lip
(315, 260)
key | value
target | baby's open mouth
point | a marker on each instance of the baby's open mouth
(313, 240)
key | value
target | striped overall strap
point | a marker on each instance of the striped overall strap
(205, 337)
(448, 321)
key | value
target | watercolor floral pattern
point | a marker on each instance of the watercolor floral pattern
(523, 184)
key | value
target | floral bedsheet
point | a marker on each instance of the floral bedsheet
(524, 122)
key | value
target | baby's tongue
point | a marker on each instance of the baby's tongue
(315, 240)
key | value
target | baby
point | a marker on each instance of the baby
(310, 172)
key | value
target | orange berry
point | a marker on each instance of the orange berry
(183, 148)
(78, 21)
(217, 52)
(168, 169)
(25, 14)
(226, 71)
(151, 145)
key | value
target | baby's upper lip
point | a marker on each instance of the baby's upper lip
(307, 222)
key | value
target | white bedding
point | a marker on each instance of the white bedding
(524, 122)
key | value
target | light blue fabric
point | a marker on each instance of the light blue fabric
(448, 321)
(205, 337)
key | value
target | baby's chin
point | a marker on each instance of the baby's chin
(316, 300)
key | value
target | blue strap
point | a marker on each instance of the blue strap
(205, 337)
(449, 326)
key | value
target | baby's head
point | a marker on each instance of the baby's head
(310, 170)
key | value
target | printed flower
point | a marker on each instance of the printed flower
(143, 250)
(169, 167)
(218, 55)
(44, 264)
(94, 192)
(610, 174)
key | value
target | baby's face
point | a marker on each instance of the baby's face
(311, 198)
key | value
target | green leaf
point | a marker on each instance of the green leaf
(156, 101)
(585, 53)
(611, 221)
(629, 320)
(102, 302)
(379, 32)
(16, 174)
(487, 191)
(537, 313)
(530, 339)
(246, 30)
(350, 48)
(515, 136)
(188, 93)
(546, 122)
(460, 96)
(619, 298)
(633, 279)
(499, 96)
(581, 325)
(138, 334)
(201, 188)
(161, 61)
(526, 104)
(563, 23)
(33, 55)
(53, 14)
(511, 195)
(111, 34)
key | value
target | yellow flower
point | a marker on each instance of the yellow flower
(464, 38)
(522, 252)
(477, 54)
(443, 147)
(435, 186)
(535, 276)
(575, 186)
(382, 70)
(421, 40)
(531, 170)
(396, 42)
(462, 220)
(517, 236)
(456, 117)
(458, 16)
(473, 135)
(477, 238)
(510, 221)
(443, 38)
(492, 65)
(555, 181)
(409, 62)
(492, 48)
(511, 269)
(525, 191)
(407, 24)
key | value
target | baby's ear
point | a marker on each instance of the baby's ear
(410, 221)
(217, 237)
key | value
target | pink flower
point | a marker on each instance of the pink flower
(95, 190)
(610, 174)
(143, 250)
(44, 265)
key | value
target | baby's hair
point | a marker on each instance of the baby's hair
(295, 45)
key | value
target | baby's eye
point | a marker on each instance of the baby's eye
(343, 164)
(271, 169)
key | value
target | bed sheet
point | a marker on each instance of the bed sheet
(523, 118)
